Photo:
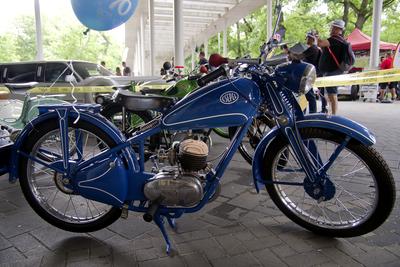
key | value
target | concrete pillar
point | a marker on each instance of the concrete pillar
(219, 43)
(269, 12)
(225, 42)
(206, 48)
(39, 40)
(376, 34)
(142, 53)
(138, 53)
(178, 33)
(152, 36)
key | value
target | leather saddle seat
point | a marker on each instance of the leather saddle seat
(138, 102)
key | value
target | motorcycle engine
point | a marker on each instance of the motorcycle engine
(180, 185)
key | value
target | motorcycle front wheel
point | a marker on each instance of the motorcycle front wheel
(45, 189)
(364, 186)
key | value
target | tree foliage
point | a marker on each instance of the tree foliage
(60, 41)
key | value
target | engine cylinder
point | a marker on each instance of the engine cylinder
(193, 155)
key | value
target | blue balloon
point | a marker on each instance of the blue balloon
(103, 15)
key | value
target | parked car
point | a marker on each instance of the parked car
(352, 91)
(59, 73)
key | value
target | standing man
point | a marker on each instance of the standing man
(387, 63)
(332, 56)
(311, 56)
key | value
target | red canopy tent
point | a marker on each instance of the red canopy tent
(360, 41)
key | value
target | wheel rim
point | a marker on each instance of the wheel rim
(356, 188)
(46, 185)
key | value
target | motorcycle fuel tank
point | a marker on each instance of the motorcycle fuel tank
(222, 104)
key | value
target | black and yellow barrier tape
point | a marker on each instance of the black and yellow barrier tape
(64, 90)
(359, 78)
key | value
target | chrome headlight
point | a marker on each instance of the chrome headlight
(298, 76)
(308, 79)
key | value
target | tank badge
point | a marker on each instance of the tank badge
(229, 97)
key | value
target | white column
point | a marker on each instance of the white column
(39, 41)
(269, 19)
(152, 36)
(178, 33)
(136, 68)
(376, 34)
(142, 24)
(193, 56)
(219, 43)
(206, 48)
(138, 53)
(225, 42)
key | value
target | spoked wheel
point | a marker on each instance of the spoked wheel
(258, 129)
(47, 191)
(364, 191)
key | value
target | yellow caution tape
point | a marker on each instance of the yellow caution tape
(4, 90)
(67, 90)
(367, 77)
(137, 88)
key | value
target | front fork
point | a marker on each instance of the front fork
(316, 182)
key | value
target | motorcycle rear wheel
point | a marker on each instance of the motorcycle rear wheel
(365, 189)
(43, 188)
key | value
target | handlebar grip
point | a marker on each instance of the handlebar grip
(250, 61)
(211, 76)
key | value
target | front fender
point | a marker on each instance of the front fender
(90, 117)
(335, 123)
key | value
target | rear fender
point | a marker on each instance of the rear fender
(335, 123)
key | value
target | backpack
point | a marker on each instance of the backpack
(348, 58)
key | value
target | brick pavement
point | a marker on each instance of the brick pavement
(240, 228)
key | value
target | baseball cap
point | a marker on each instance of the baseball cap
(312, 34)
(338, 24)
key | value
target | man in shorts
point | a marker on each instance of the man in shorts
(386, 64)
(333, 50)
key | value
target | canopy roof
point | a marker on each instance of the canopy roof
(360, 41)
(202, 19)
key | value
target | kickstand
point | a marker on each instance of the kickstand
(158, 219)
(172, 223)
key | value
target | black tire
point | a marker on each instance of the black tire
(223, 132)
(36, 196)
(135, 119)
(253, 136)
(111, 110)
(342, 221)
(354, 92)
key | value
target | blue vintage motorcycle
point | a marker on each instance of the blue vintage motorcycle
(80, 173)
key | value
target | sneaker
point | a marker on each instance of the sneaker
(324, 110)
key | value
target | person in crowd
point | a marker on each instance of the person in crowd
(202, 58)
(126, 71)
(387, 63)
(118, 71)
(333, 50)
(312, 55)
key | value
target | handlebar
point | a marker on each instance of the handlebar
(250, 61)
(211, 76)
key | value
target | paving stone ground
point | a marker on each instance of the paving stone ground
(240, 228)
